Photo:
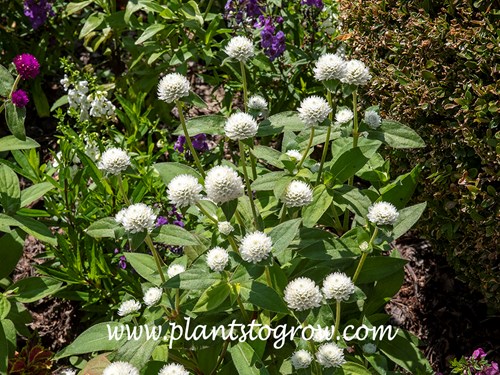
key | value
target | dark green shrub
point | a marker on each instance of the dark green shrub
(436, 68)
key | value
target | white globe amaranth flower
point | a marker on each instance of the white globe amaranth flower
(175, 269)
(152, 296)
(297, 194)
(330, 355)
(302, 294)
(129, 307)
(301, 359)
(382, 213)
(314, 110)
(184, 190)
(225, 227)
(257, 103)
(338, 286)
(329, 66)
(294, 154)
(67, 371)
(173, 369)
(322, 335)
(172, 87)
(120, 368)
(136, 218)
(240, 126)
(356, 73)
(369, 348)
(344, 116)
(223, 184)
(364, 246)
(255, 247)
(372, 119)
(113, 161)
(217, 259)
(240, 48)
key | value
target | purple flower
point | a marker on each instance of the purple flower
(199, 143)
(20, 98)
(273, 44)
(179, 144)
(478, 353)
(27, 65)
(161, 221)
(178, 223)
(177, 250)
(314, 3)
(37, 11)
(123, 262)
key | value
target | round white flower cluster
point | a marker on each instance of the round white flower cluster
(313, 110)
(172, 87)
(356, 73)
(257, 103)
(294, 154)
(113, 161)
(129, 307)
(120, 368)
(240, 48)
(175, 269)
(301, 359)
(255, 247)
(173, 369)
(321, 334)
(297, 194)
(136, 218)
(240, 126)
(330, 355)
(184, 190)
(329, 66)
(100, 106)
(302, 294)
(223, 184)
(152, 296)
(344, 116)
(372, 119)
(217, 259)
(338, 286)
(382, 213)
(225, 227)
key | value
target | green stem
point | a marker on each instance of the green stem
(156, 256)
(283, 214)
(208, 9)
(221, 356)
(364, 256)
(232, 242)
(337, 321)
(304, 155)
(253, 163)
(268, 277)
(188, 140)
(337, 223)
(122, 190)
(355, 133)
(327, 141)
(14, 86)
(177, 302)
(247, 182)
(242, 309)
(200, 207)
(244, 81)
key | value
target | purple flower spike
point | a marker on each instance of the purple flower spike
(27, 66)
(161, 221)
(123, 262)
(179, 144)
(37, 11)
(179, 223)
(20, 98)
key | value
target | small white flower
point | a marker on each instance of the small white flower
(344, 116)
(301, 359)
(100, 106)
(152, 296)
(173, 369)
(225, 227)
(114, 161)
(255, 247)
(322, 335)
(217, 259)
(65, 82)
(356, 73)
(129, 307)
(120, 368)
(67, 371)
(240, 126)
(372, 119)
(364, 246)
(184, 190)
(382, 213)
(223, 184)
(302, 294)
(240, 48)
(329, 66)
(314, 110)
(338, 286)
(257, 103)
(330, 355)
(297, 194)
(175, 269)
(294, 154)
(136, 218)
(172, 87)
(369, 348)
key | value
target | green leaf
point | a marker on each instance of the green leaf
(246, 361)
(59, 103)
(396, 135)
(11, 250)
(10, 143)
(282, 235)
(203, 124)
(32, 289)
(348, 164)
(4, 307)
(10, 193)
(267, 181)
(76, 7)
(280, 122)
(352, 368)
(14, 117)
(377, 268)
(6, 81)
(400, 191)
(95, 339)
(262, 296)
(93, 22)
(212, 297)
(407, 219)
(269, 155)
(105, 228)
(145, 266)
(40, 99)
(10, 334)
(193, 98)
(352, 198)
(96, 365)
(30, 226)
(137, 352)
(4, 352)
(150, 32)
(169, 170)
(175, 235)
(321, 202)
(35, 192)
(195, 278)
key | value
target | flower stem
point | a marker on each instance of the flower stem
(122, 190)
(14, 86)
(283, 214)
(200, 207)
(363, 257)
(156, 256)
(355, 133)
(327, 141)
(233, 244)
(242, 309)
(304, 155)
(247, 182)
(268, 277)
(244, 81)
(188, 140)
(337, 321)
(210, 3)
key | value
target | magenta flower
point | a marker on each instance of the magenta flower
(27, 65)
(478, 353)
(20, 98)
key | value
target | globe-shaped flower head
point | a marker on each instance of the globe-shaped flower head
(225, 227)
(113, 161)
(257, 103)
(172, 87)
(217, 259)
(344, 116)
(129, 307)
(152, 296)
(329, 66)
(184, 190)
(175, 269)
(356, 73)
(382, 213)
(173, 369)
(338, 286)
(294, 154)
(136, 218)
(255, 247)
(301, 359)
(20, 98)
(330, 355)
(302, 294)
(372, 119)
(223, 184)
(27, 66)
(297, 194)
(240, 126)
(120, 368)
(314, 110)
(240, 48)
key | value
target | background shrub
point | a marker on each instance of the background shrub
(435, 67)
